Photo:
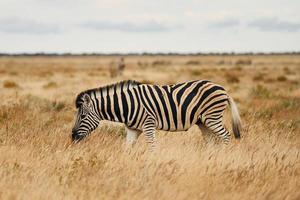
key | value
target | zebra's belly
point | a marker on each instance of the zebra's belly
(172, 129)
(175, 129)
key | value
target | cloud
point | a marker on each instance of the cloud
(126, 26)
(26, 26)
(274, 24)
(224, 23)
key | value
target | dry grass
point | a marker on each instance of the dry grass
(37, 160)
(262, 92)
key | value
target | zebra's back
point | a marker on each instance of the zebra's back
(177, 107)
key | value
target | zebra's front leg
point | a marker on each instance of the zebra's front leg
(149, 127)
(131, 135)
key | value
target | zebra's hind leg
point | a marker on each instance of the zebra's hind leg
(131, 135)
(217, 128)
(149, 127)
(208, 136)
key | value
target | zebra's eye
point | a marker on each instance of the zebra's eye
(83, 116)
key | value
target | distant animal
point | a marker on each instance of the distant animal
(146, 108)
(121, 64)
(117, 69)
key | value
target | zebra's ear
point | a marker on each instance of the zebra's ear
(86, 99)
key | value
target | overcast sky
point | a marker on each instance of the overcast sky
(123, 26)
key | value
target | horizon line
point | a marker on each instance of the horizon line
(148, 53)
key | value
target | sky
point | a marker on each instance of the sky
(127, 26)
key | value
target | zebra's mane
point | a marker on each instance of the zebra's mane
(124, 84)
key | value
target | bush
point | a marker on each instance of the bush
(238, 68)
(45, 73)
(232, 78)
(50, 85)
(58, 105)
(243, 62)
(160, 62)
(281, 78)
(10, 84)
(287, 70)
(258, 77)
(13, 73)
(195, 72)
(269, 80)
(193, 62)
(142, 64)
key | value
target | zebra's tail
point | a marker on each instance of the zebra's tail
(235, 119)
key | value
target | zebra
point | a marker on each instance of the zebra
(145, 108)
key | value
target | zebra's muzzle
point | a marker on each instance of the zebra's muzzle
(76, 137)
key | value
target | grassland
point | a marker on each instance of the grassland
(37, 111)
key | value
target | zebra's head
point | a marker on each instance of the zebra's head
(87, 118)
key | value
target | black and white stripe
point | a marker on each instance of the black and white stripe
(146, 107)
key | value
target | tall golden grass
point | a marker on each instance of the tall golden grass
(37, 160)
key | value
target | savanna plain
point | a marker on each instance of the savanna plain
(37, 112)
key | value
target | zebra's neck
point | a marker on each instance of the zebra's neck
(114, 102)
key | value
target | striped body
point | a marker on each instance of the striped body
(147, 107)
(178, 107)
